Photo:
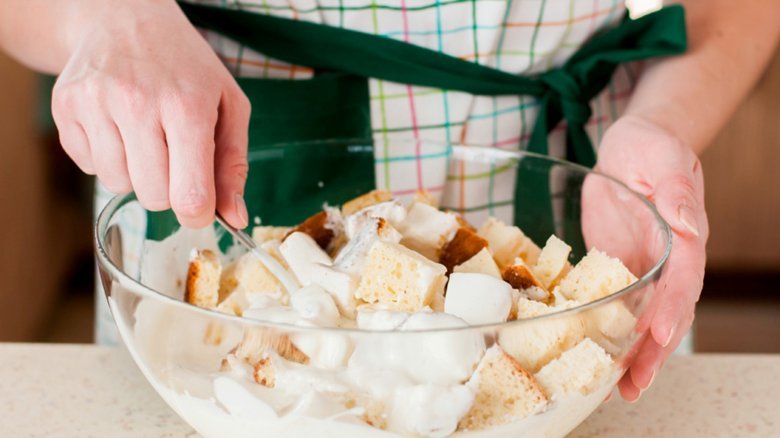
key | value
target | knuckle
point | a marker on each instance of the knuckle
(133, 96)
(192, 204)
(63, 99)
(244, 105)
(153, 202)
(190, 106)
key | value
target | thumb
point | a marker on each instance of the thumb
(230, 160)
(676, 195)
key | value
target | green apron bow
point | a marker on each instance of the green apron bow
(566, 92)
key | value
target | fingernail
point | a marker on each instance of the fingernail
(668, 338)
(608, 398)
(652, 378)
(243, 214)
(686, 216)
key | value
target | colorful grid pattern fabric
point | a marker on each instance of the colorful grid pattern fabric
(517, 36)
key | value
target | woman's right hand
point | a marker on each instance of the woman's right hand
(146, 105)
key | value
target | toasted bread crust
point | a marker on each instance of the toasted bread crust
(257, 341)
(465, 245)
(315, 227)
(264, 372)
(365, 200)
(202, 285)
(506, 392)
(520, 277)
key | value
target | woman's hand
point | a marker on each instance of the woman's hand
(145, 104)
(656, 164)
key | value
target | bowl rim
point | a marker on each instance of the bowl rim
(101, 228)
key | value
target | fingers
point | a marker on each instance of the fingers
(147, 162)
(628, 390)
(231, 166)
(74, 141)
(108, 152)
(189, 125)
(72, 136)
(679, 197)
(651, 357)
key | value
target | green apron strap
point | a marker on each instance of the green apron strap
(565, 92)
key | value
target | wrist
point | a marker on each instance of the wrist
(663, 125)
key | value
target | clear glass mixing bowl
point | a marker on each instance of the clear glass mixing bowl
(415, 387)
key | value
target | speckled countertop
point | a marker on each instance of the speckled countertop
(84, 390)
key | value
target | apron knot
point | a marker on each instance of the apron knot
(566, 93)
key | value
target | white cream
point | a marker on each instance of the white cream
(430, 410)
(353, 256)
(440, 358)
(391, 211)
(315, 305)
(417, 376)
(301, 252)
(340, 285)
(380, 319)
(478, 298)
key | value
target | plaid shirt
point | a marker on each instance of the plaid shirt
(517, 36)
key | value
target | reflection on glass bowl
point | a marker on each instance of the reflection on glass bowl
(434, 375)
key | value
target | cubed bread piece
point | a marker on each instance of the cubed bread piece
(365, 200)
(478, 298)
(481, 263)
(399, 278)
(595, 276)
(249, 274)
(373, 410)
(579, 370)
(258, 342)
(535, 344)
(522, 278)
(505, 392)
(262, 234)
(508, 242)
(465, 245)
(352, 258)
(264, 372)
(393, 213)
(513, 310)
(612, 320)
(426, 230)
(214, 334)
(462, 221)
(202, 288)
(301, 252)
(437, 303)
(340, 285)
(319, 227)
(553, 262)
(425, 197)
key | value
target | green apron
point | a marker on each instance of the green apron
(288, 183)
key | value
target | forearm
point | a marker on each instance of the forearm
(42, 34)
(693, 95)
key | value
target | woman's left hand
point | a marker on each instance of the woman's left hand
(656, 164)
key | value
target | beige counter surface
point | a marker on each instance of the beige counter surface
(81, 390)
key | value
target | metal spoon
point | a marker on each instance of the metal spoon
(273, 266)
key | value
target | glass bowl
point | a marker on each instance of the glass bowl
(411, 382)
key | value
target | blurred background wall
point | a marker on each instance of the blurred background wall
(45, 226)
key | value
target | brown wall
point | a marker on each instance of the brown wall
(742, 172)
(41, 231)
